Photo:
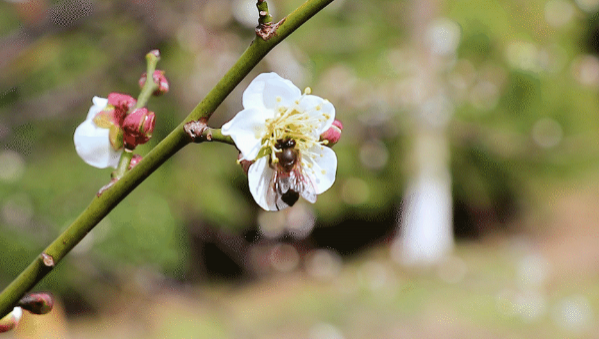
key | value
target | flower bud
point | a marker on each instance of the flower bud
(122, 103)
(37, 303)
(11, 320)
(159, 79)
(153, 54)
(134, 161)
(138, 127)
(333, 134)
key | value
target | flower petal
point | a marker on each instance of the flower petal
(324, 167)
(247, 129)
(259, 177)
(263, 91)
(319, 108)
(93, 146)
(98, 106)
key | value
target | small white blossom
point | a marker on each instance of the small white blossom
(276, 111)
(93, 143)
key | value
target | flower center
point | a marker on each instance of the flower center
(292, 123)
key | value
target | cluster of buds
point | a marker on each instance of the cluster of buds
(118, 123)
(35, 303)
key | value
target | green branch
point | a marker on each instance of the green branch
(177, 139)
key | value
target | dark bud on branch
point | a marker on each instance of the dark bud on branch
(37, 303)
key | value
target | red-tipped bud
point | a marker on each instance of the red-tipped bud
(37, 303)
(134, 161)
(11, 320)
(333, 134)
(138, 127)
(159, 79)
(122, 103)
(153, 54)
(245, 164)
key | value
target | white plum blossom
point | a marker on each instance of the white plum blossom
(93, 143)
(276, 111)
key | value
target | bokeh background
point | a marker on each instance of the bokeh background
(466, 200)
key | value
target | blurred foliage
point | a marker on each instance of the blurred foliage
(512, 71)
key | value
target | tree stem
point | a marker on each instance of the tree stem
(101, 205)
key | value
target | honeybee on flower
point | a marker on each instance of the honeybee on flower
(279, 132)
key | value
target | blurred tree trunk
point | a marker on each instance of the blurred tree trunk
(425, 234)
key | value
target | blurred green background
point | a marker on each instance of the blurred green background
(190, 255)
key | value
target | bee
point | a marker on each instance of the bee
(289, 182)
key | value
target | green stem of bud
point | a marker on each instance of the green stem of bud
(150, 86)
(124, 162)
(264, 18)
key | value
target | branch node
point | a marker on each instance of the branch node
(106, 187)
(268, 30)
(48, 260)
(195, 130)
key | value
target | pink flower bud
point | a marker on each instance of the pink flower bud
(37, 303)
(11, 320)
(122, 103)
(159, 79)
(333, 134)
(134, 161)
(153, 54)
(138, 127)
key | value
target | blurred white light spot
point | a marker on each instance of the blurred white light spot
(325, 331)
(284, 258)
(425, 222)
(300, 221)
(355, 191)
(323, 264)
(505, 303)
(484, 95)
(573, 313)
(443, 36)
(547, 133)
(271, 224)
(530, 305)
(437, 111)
(452, 270)
(12, 166)
(589, 6)
(375, 274)
(586, 70)
(17, 210)
(558, 12)
(374, 155)
(523, 55)
(533, 270)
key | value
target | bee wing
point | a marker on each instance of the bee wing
(302, 184)
(308, 192)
